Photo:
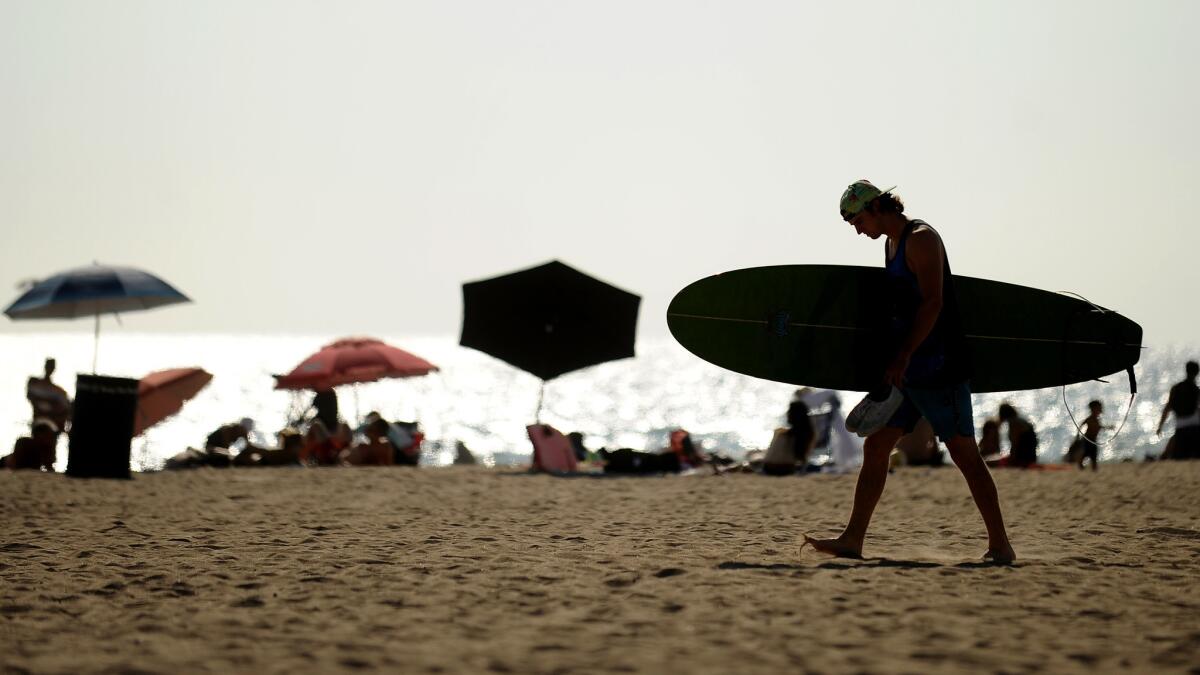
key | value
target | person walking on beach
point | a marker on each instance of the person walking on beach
(927, 373)
(1085, 446)
(325, 404)
(1183, 401)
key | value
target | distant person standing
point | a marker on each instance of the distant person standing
(1183, 402)
(1022, 439)
(1085, 446)
(49, 401)
(325, 404)
(927, 369)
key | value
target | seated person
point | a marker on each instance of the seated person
(35, 451)
(319, 445)
(377, 451)
(576, 440)
(790, 446)
(227, 434)
(684, 449)
(920, 447)
(221, 443)
(462, 454)
(626, 460)
(406, 438)
(291, 444)
(1022, 440)
(989, 438)
(681, 454)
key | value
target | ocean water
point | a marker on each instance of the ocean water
(486, 403)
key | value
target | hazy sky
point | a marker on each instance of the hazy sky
(341, 167)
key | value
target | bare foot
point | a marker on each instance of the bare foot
(840, 547)
(1001, 556)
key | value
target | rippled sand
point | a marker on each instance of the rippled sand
(475, 570)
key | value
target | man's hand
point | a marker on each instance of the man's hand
(894, 375)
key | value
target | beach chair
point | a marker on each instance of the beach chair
(552, 451)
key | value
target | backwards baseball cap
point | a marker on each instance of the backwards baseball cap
(858, 195)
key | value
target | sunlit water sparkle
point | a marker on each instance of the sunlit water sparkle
(486, 403)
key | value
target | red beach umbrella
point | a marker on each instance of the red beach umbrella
(353, 360)
(162, 393)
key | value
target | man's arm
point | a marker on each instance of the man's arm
(1166, 411)
(925, 258)
(1162, 420)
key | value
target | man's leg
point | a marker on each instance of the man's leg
(871, 478)
(965, 454)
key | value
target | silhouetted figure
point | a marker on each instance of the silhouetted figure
(35, 451)
(1183, 403)
(462, 454)
(680, 455)
(377, 451)
(989, 438)
(927, 372)
(1022, 439)
(1085, 446)
(49, 401)
(291, 445)
(326, 404)
(576, 440)
(790, 445)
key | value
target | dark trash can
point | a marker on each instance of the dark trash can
(102, 426)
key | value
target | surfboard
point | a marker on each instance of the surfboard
(822, 326)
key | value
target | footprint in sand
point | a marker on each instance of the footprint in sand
(1171, 532)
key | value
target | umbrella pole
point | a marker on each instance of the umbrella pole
(357, 411)
(96, 344)
(537, 416)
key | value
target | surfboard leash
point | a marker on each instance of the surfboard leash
(1079, 429)
(1128, 371)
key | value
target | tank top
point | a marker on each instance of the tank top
(941, 359)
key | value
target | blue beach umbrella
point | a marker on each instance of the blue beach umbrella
(92, 291)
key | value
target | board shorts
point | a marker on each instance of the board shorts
(948, 410)
(1187, 443)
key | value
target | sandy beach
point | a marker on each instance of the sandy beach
(485, 570)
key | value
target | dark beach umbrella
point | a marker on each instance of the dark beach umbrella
(549, 320)
(92, 291)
